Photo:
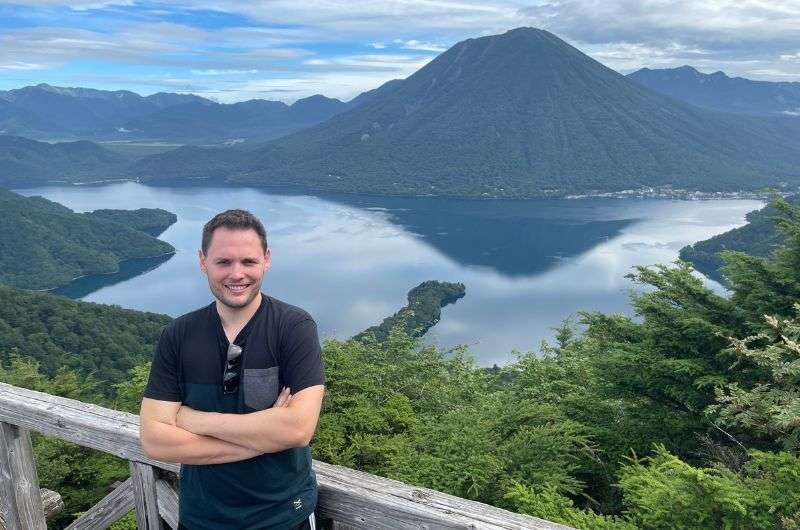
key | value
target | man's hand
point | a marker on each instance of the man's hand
(198, 422)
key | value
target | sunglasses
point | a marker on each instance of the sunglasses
(230, 379)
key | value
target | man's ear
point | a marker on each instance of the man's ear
(202, 259)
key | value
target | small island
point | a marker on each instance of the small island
(423, 311)
(47, 245)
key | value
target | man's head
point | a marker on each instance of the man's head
(233, 220)
(234, 255)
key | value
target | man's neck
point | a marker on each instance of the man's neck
(235, 318)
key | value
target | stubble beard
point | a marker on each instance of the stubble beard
(220, 294)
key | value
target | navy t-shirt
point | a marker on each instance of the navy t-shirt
(280, 347)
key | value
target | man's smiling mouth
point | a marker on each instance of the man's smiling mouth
(237, 288)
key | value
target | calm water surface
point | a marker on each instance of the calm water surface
(350, 261)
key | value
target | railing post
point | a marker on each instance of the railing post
(20, 499)
(145, 497)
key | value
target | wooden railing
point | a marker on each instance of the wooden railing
(348, 498)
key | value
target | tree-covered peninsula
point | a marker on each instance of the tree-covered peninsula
(46, 245)
(152, 221)
(759, 237)
(423, 311)
(682, 416)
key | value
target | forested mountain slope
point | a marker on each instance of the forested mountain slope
(759, 237)
(45, 244)
(25, 162)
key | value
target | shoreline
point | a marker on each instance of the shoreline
(665, 192)
(51, 289)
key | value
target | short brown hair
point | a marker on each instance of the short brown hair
(233, 220)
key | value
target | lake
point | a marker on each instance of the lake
(350, 260)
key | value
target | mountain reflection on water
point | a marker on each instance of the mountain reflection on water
(86, 285)
(513, 238)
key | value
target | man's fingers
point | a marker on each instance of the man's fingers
(283, 398)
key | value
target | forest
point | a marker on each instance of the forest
(46, 245)
(759, 237)
(686, 415)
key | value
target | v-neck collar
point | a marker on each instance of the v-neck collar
(241, 337)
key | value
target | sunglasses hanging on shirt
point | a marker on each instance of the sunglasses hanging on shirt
(233, 369)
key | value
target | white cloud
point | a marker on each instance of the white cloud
(398, 64)
(223, 72)
(158, 43)
(19, 65)
(342, 78)
(414, 44)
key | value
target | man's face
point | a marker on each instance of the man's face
(235, 263)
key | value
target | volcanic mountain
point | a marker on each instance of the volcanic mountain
(521, 114)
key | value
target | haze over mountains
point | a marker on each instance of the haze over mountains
(514, 115)
(719, 92)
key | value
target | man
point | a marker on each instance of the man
(235, 392)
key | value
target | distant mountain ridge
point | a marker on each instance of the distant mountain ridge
(717, 91)
(44, 112)
(61, 110)
(254, 120)
(515, 115)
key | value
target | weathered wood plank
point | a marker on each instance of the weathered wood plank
(368, 501)
(145, 496)
(167, 502)
(347, 496)
(111, 431)
(110, 509)
(19, 486)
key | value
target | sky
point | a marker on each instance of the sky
(234, 50)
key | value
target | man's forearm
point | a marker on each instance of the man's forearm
(265, 431)
(170, 443)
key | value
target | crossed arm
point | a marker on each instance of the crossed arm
(174, 433)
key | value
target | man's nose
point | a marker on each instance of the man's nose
(237, 270)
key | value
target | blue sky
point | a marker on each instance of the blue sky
(231, 50)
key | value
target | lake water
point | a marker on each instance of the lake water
(350, 261)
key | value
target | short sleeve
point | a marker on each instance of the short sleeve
(301, 357)
(163, 383)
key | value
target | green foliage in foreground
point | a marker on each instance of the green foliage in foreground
(685, 417)
(46, 245)
(88, 338)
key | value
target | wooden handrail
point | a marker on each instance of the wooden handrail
(349, 497)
